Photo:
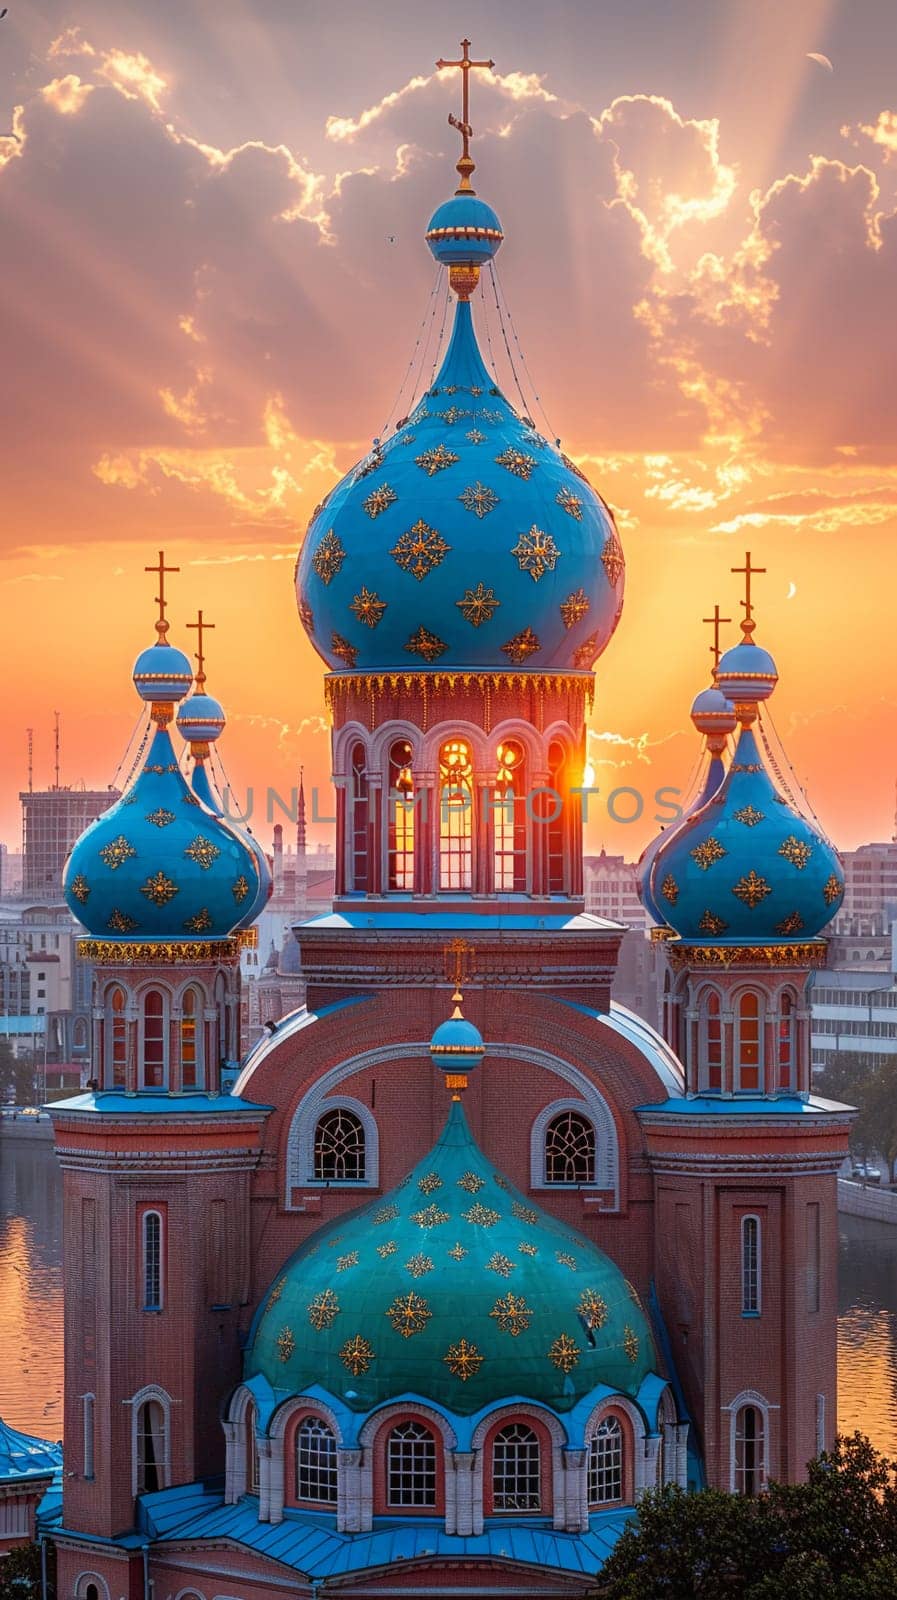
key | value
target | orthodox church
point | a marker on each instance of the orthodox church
(423, 1294)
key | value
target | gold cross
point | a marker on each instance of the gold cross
(748, 624)
(201, 628)
(457, 969)
(465, 166)
(715, 621)
(161, 569)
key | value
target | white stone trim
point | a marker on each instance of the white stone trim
(750, 1397)
(522, 1413)
(300, 1156)
(84, 1578)
(277, 1429)
(151, 1391)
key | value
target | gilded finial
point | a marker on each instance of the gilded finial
(747, 622)
(716, 622)
(201, 627)
(466, 166)
(161, 569)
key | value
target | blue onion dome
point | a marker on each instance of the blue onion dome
(457, 1047)
(455, 1288)
(464, 229)
(162, 674)
(746, 673)
(747, 865)
(200, 719)
(714, 716)
(466, 540)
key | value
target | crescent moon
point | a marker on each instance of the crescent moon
(821, 60)
(792, 591)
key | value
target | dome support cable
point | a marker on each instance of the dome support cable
(418, 355)
(503, 300)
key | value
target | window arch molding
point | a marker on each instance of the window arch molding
(542, 1422)
(750, 1397)
(149, 1393)
(344, 741)
(750, 1010)
(479, 744)
(388, 734)
(300, 1163)
(595, 1110)
(373, 1437)
(86, 1578)
(635, 1432)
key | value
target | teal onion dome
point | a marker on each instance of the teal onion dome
(454, 1288)
(200, 719)
(464, 229)
(159, 864)
(712, 713)
(714, 716)
(457, 1045)
(162, 673)
(465, 541)
(746, 865)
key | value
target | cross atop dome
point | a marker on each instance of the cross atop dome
(716, 622)
(160, 570)
(748, 624)
(466, 166)
(200, 627)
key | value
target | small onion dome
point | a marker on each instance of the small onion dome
(746, 673)
(457, 1045)
(162, 673)
(201, 719)
(464, 229)
(747, 865)
(712, 713)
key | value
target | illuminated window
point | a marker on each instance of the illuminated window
(400, 801)
(411, 1466)
(315, 1462)
(750, 1266)
(713, 1043)
(151, 1447)
(748, 1043)
(455, 816)
(509, 818)
(606, 1463)
(151, 1229)
(191, 1041)
(516, 1469)
(785, 1042)
(358, 819)
(750, 1451)
(154, 1041)
(339, 1148)
(117, 1041)
(556, 827)
(569, 1149)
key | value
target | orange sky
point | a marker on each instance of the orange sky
(214, 277)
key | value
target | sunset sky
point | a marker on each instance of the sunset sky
(214, 275)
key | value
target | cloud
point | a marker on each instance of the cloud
(66, 94)
(882, 132)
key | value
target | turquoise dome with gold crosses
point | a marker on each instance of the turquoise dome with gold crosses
(467, 539)
(454, 1287)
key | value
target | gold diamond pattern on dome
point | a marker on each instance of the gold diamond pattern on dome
(481, 1216)
(479, 499)
(429, 1183)
(343, 650)
(523, 1213)
(707, 853)
(430, 1217)
(592, 1307)
(566, 1260)
(343, 1263)
(564, 1353)
(388, 1249)
(630, 1343)
(612, 558)
(368, 607)
(516, 461)
(286, 1344)
(159, 889)
(79, 888)
(458, 1252)
(501, 1264)
(831, 889)
(426, 644)
(419, 550)
(477, 605)
(751, 889)
(522, 646)
(329, 556)
(306, 616)
(584, 655)
(380, 500)
(512, 1314)
(527, 1250)
(240, 889)
(385, 1214)
(433, 461)
(357, 1355)
(160, 818)
(711, 923)
(409, 1314)
(476, 437)
(419, 1265)
(670, 889)
(454, 414)
(793, 923)
(463, 1360)
(120, 922)
(323, 1310)
(202, 851)
(570, 503)
(201, 922)
(117, 851)
(749, 815)
(795, 851)
(536, 553)
(574, 608)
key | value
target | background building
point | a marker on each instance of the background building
(52, 819)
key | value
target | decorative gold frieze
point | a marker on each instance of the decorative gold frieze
(155, 952)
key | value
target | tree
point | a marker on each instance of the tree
(20, 1573)
(831, 1538)
(7, 1069)
(876, 1125)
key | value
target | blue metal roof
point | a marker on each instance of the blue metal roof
(399, 920)
(24, 1456)
(307, 1542)
(110, 1103)
(715, 1105)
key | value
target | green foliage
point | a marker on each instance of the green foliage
(831, 1538)
(20, 1575)
(876, 1125)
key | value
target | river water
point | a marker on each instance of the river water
(31, 1306)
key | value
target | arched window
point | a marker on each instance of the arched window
(748, 1043)
(750, 1266)
(339, 1148)
(152, 1447)
(569, 1149)
(750, 1450)
(556, 827)
(191, 1040)
(516, 1469)
(411, 1466)
(151, 1232)
(785, 1043)
(252, 1450)
(315, 1462)
(91, 1592)
(712, 1064)
(400, 800)
(509, 818)
(455, 816)
(116, 1039)
(155, 1042)
(358, 819)
(606, 1463)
